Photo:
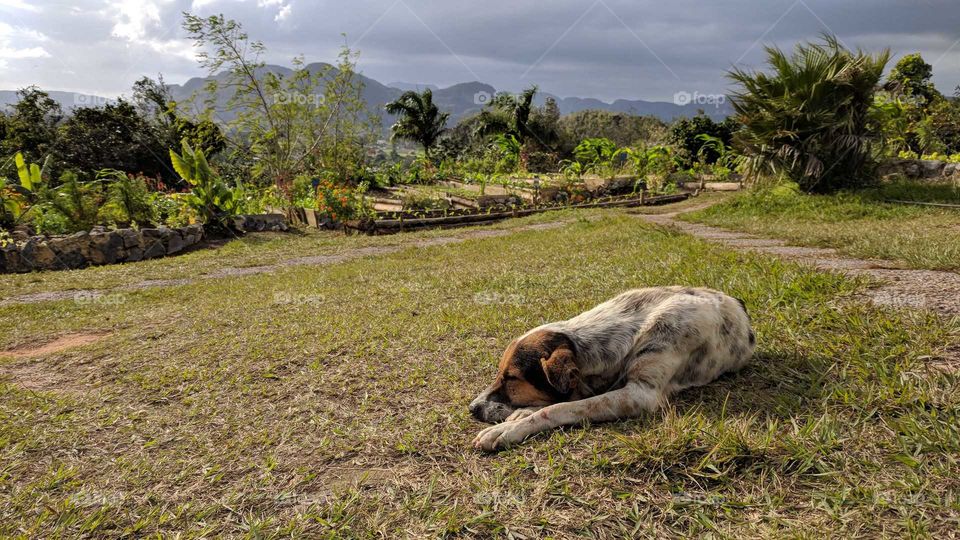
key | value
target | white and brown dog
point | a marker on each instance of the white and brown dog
(623, 357)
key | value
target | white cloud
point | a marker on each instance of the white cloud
(132, 18)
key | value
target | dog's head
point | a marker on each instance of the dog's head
(536, 370)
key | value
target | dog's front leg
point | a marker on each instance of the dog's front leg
(626, 402)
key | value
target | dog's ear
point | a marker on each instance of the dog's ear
(561, 371)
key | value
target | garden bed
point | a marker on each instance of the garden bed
(400, 223)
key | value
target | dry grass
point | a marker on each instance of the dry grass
(331, 401)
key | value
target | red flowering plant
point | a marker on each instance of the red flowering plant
(340, 202)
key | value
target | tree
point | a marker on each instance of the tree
(912, 77)
(307, 120)
(685, 135)
(509, 114)
(418, 119)
(809, 118)
(31, 127)
(114, 136)
(156, 104)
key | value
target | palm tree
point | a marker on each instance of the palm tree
(418, 119)
(509, 114)
(809, 118)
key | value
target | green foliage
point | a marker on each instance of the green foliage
(808, 119)
(12, 203)
(31, 128)
(114, 136)
(307, 121)
(128, 200)
(686, 133)
(621, 128)
(210, 196)
(76, 201)
(912, 77)
(418, 119)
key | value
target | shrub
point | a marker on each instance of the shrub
(128, 199)
(210, 196)
(808, 119)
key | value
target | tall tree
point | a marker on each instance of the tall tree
(418, 119)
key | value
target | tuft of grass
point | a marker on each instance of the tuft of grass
(860, 224)
(331, 402)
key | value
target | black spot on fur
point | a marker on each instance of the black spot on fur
(752, 338)
(743, 306)
(693, 368)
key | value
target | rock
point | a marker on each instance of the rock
(911, 169)
(931, 168)
(106, 247)
(134, 254)
(131, 238)
(153, 248)
(10, 259)
(175, 242)
(37, 254)
(73, 250)
(950, 169)
(261, 222)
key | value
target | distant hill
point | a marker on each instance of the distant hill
(460, 100)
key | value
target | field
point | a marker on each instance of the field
(330, 399)
(860, 224)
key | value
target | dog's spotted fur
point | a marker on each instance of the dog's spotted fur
(619, 359)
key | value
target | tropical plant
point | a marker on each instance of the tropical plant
(76, 201)
(209, 195)
(808, 119)
(418, 119)
(128, 199)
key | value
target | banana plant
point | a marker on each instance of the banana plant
(30, 174)
(210, 196)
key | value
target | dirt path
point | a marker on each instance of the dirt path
(315, 260)
(924, 289)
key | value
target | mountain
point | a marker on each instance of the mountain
(461, 100)
(67, 100)
(416, 87)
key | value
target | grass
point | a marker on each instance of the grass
(859, 224)
(331, 401)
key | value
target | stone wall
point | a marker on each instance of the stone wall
(261, 222)
(927, 169)
(99, 246)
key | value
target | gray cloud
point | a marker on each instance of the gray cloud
(592, 48)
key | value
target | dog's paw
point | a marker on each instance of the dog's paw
(520, 414)
(499, 436)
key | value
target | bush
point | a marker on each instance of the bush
(808, 120)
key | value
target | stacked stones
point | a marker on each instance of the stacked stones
(99, 246)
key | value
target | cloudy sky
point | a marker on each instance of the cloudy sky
(635, 49)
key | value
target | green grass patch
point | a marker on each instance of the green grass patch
(331, 402)
(860, 224)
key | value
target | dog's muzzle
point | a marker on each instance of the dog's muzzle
(489, 410)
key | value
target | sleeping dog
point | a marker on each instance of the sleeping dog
(621, 358)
